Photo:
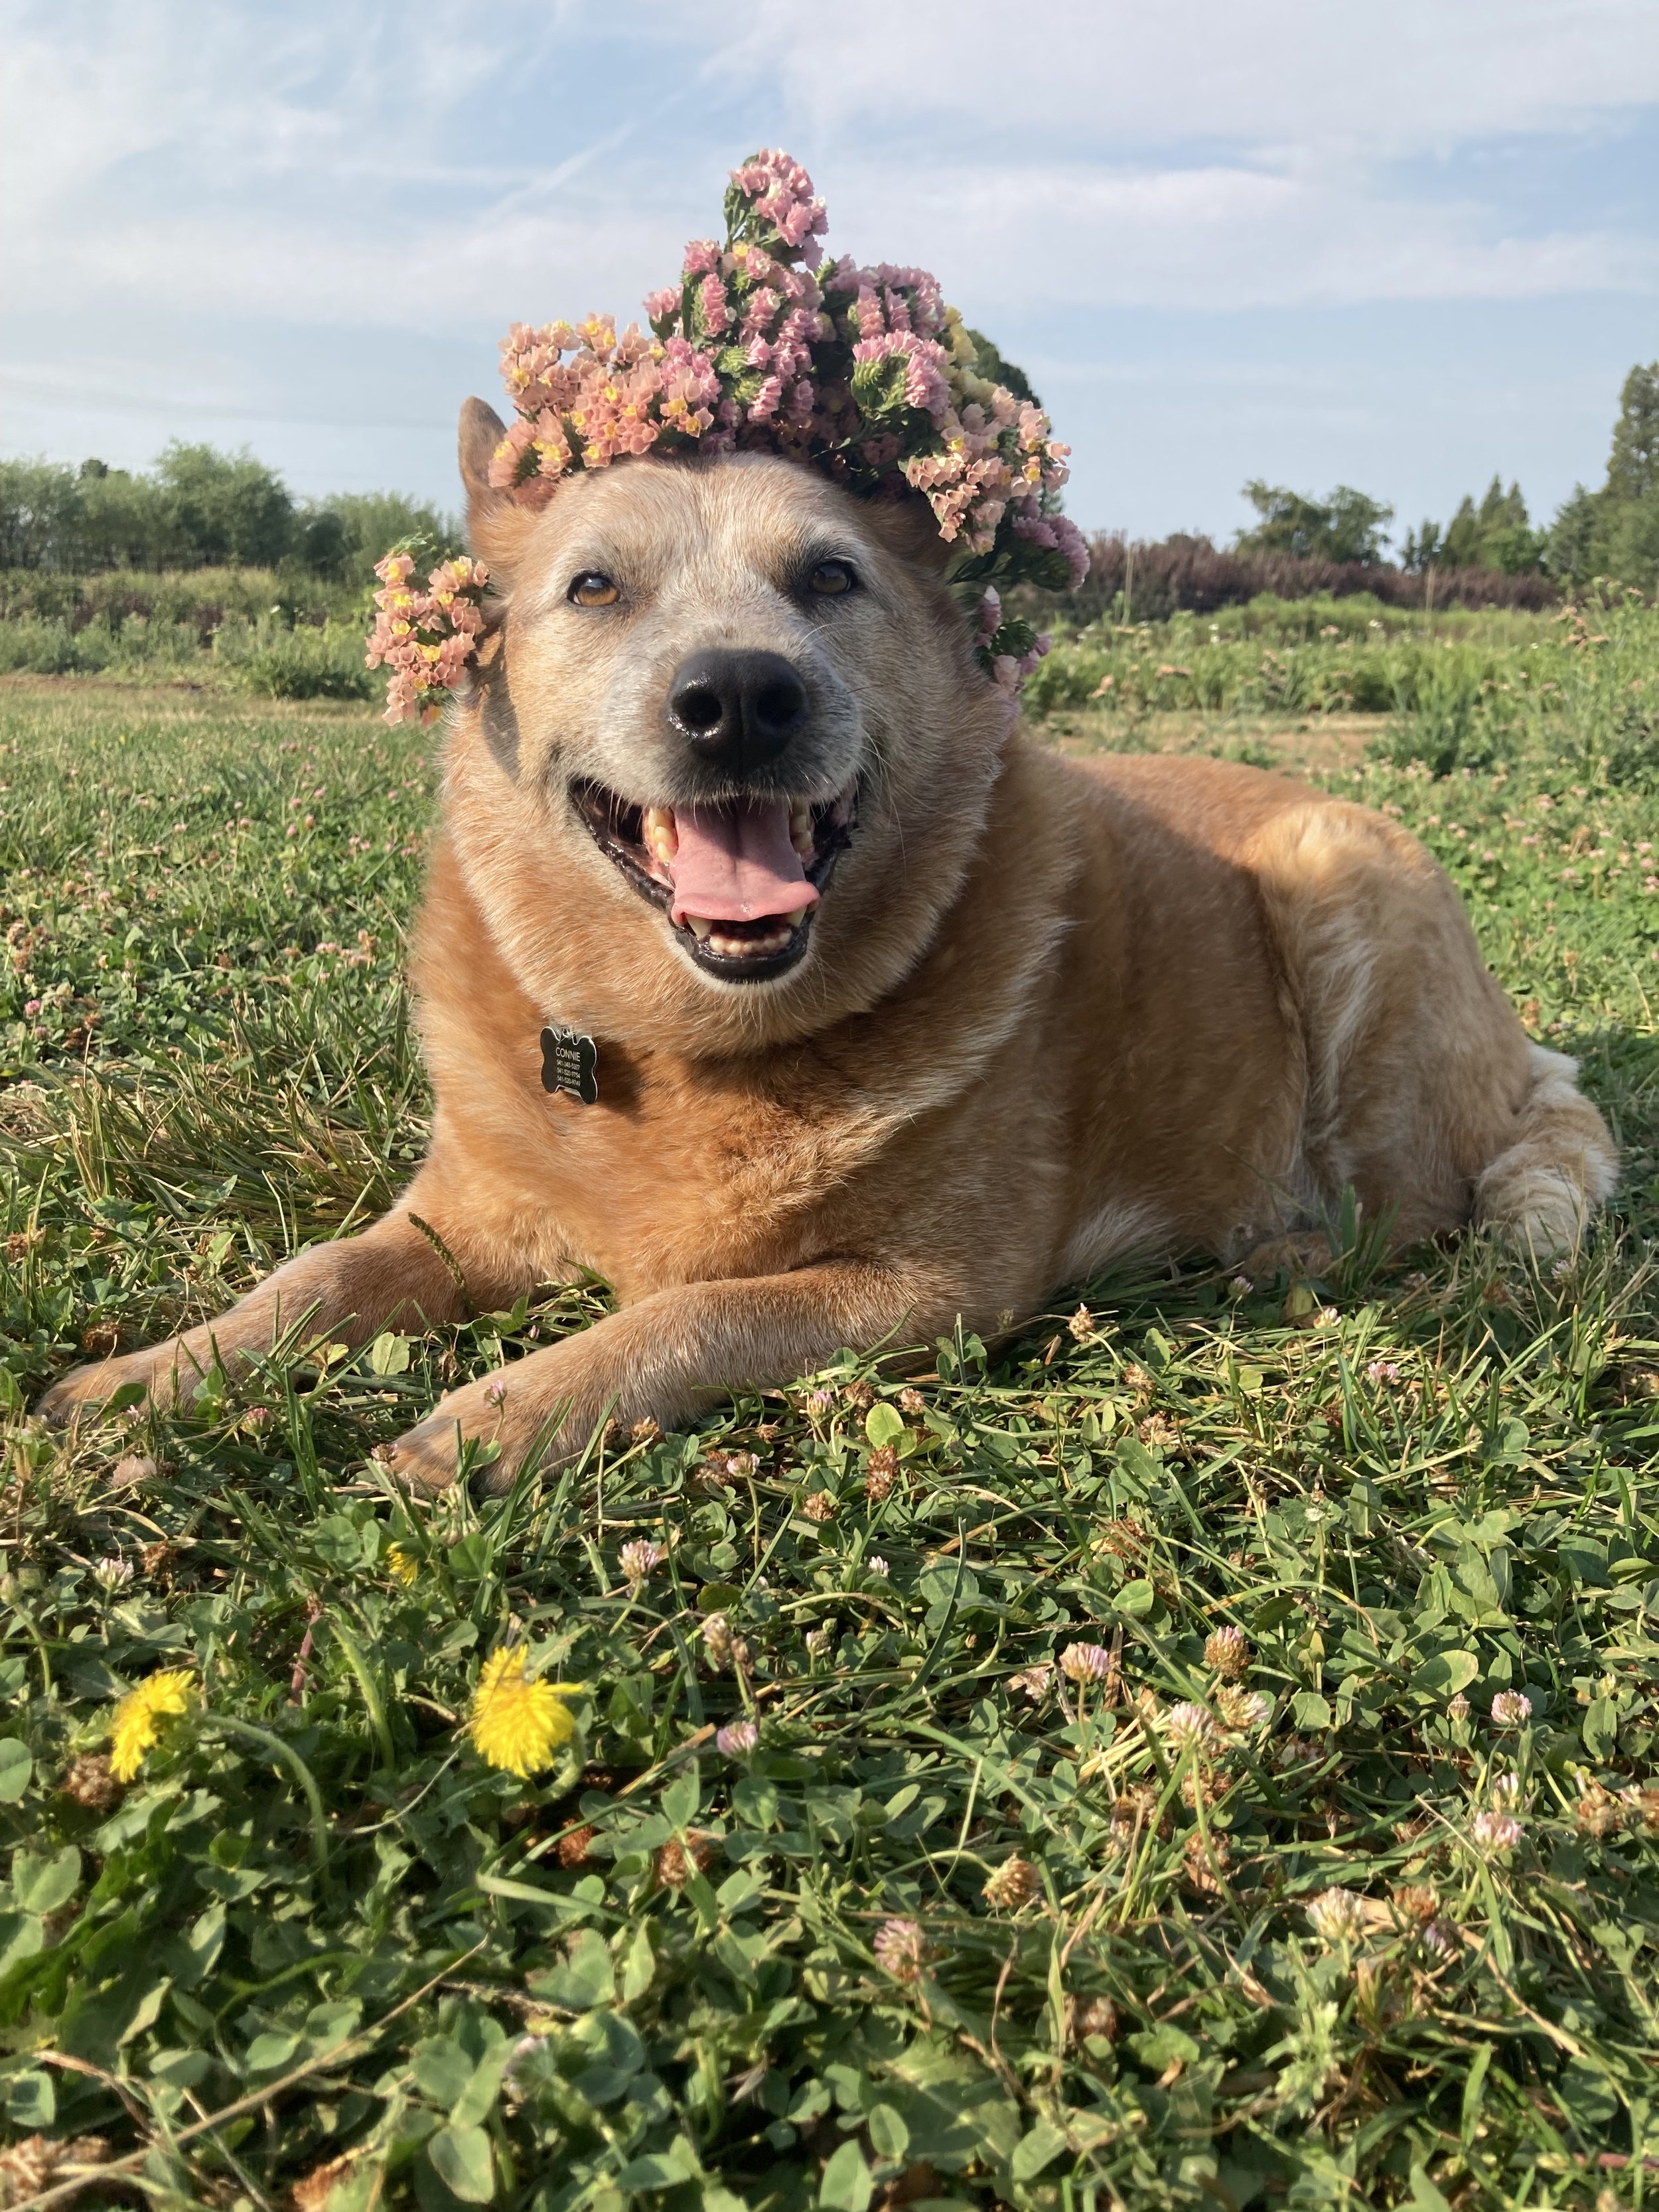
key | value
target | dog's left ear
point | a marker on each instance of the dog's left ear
(496, 525)
(907, 526)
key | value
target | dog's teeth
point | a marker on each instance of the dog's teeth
(800, 829)
(796, 919)
(660, 838)
(702, 930)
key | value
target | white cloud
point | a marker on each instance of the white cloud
(329, 189)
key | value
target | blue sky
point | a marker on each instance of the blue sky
(1402, 246)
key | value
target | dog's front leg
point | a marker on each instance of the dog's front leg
(669, 1356)
(349, 1291)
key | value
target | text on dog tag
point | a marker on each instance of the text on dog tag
(571, 1063)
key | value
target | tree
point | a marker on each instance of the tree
(224, 508)
(1634, 463)
(1615, 531)
(1347, 525)
(342, 537)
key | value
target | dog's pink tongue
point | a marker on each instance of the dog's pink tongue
(735, 863)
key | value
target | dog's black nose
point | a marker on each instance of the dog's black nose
(736, 710)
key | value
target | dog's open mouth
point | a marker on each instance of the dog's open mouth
(738, 882)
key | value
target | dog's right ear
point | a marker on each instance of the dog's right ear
(496, 525)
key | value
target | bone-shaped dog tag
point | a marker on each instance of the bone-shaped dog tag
(571, 1063)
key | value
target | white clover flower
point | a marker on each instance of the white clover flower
(112, 1573)
(1495, 1832)
(1189, 1727)
(1337, 1915)
(1085, 1662)
(1511, 1709)
(737, 1738)
(639, 1560)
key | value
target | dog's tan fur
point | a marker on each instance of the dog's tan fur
(1050, 1013)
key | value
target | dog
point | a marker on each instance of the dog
(867, 1011)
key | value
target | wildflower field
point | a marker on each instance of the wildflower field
(1201, 1755)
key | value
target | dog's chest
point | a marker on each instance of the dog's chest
(681, 1172)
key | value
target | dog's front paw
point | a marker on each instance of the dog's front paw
(526, 1415)
(89, 1389)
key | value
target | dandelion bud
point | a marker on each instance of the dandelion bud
(737, 1739)
(1511, 1709)
(1336, 1916)
(901, 1949)
(1226, 1651)
(1014, 1883)
(1085, 1662)
(1495, 1832)
(639, 1560)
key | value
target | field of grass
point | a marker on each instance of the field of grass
(1272, 1891)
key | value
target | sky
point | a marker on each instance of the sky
(1400, 247)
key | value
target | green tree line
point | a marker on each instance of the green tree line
(197, 509)
(1612, 532)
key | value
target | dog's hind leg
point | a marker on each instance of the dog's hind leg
(348, 1292)
(1425, 1094)
(1541, 1190)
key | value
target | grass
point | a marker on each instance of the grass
(318, 1952)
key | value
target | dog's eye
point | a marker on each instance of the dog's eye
(591, 589)
(830, 579)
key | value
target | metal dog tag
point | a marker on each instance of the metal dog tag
(571, 1063)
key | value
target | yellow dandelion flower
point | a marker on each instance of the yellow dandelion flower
(401, 1564)
(515, 1723)
(139, 1716)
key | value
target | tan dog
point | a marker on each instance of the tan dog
(899, 1016)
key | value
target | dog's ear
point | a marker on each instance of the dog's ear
(496, 524)
(907, 526)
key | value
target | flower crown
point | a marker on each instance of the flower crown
(764, 346)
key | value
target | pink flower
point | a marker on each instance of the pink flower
(1495, 1832)
(1085, 1662)
(862, 372)
(712, 298)
(737, 1739)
